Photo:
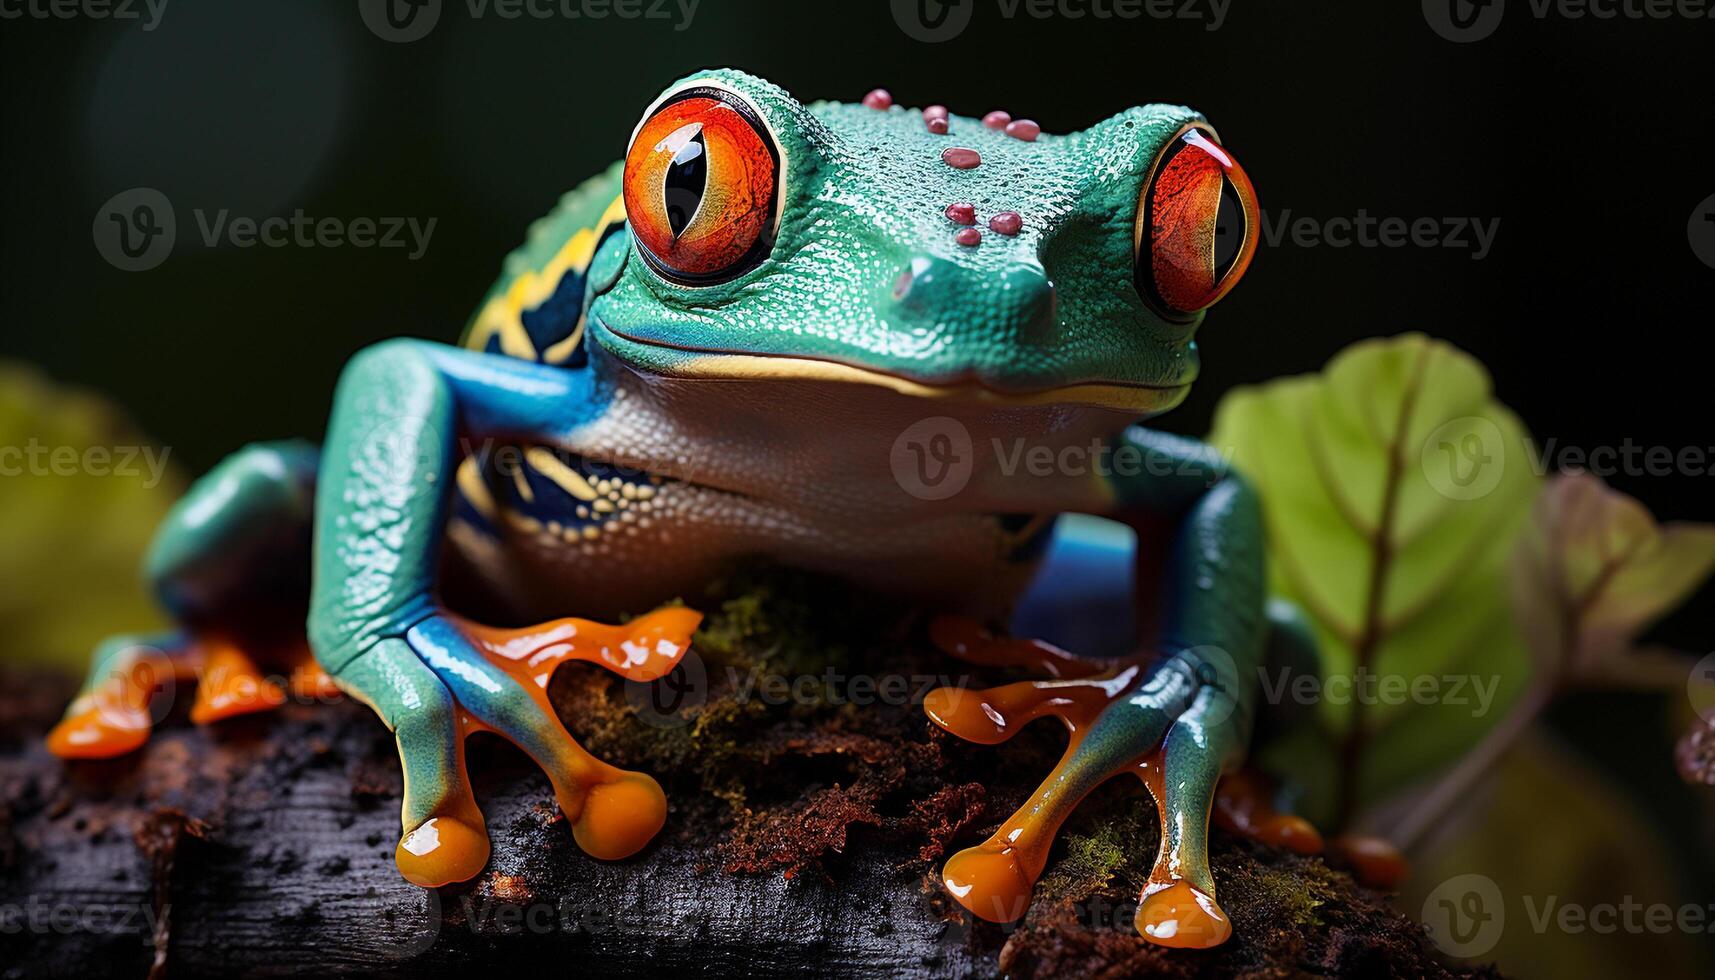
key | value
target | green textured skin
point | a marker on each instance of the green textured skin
(863, 203)
(865, 195)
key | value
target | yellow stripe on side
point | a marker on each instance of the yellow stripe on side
(503, 315)
(474, 490)
(563, 476)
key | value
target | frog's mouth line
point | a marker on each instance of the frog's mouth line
(717, 365)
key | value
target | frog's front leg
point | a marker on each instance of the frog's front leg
(377, 628)
(1177, 718)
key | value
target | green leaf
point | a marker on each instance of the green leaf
(80, 496)
(1594, 571)
(1551, 832)
(1393, 486)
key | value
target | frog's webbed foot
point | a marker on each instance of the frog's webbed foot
(1171, 722)
(448, 678)
(126, 693)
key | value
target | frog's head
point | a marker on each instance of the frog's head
(770, 239)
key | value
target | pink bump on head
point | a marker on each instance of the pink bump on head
(968, 237)
(1006, 223)
(961, 158)
(963, 214)
(935, 112)
(879, 99)
(1024, 129)
(997, 119)
(938, 126)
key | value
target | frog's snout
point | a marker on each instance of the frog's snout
(1017, 303)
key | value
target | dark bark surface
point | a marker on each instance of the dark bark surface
(803, 836)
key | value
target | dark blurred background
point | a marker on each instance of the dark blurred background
(1588, 139)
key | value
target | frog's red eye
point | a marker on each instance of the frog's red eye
(1197, 225)
(701, 185)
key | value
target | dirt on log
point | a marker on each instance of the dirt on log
(808, 820)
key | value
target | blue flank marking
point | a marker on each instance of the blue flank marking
(1082, 596)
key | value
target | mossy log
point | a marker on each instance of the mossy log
(804, 836)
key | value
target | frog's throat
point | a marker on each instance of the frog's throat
(718, 365)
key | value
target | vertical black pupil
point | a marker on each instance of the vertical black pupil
(687, 176)
(1229, 229)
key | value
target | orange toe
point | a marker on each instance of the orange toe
(988, 882)
(619, 818)
(1291, 832)
(311, 683)
(1372, 860)
(99, 733)
(1182, 917)
(442, 851)
(231, 685)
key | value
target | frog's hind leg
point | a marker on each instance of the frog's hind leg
(230, 564)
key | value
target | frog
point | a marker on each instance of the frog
(798, 332)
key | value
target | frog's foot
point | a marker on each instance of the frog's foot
(1244, 807)
(1170, 722)
(449, 677)
(1374, 861)
(231, 684)
(130, 681)
(128, 689)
